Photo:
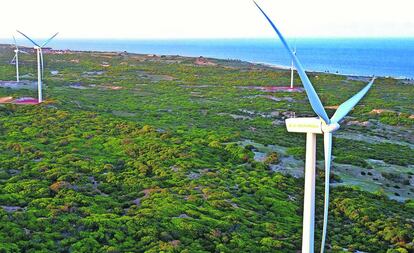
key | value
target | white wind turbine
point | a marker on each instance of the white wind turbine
(292, 69)
(38, 49)
(16, 58)
(312, 126)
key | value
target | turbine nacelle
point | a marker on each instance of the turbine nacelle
(304, 125)
(310, 125)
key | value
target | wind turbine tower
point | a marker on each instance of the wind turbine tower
(313, 126)
(39, 54)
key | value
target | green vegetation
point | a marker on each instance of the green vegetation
(143, 155)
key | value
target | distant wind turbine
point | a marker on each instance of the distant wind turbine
(312, 126)
(38, 49)
(292, 69)
(16, 59)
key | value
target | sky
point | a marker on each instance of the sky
(172, 19)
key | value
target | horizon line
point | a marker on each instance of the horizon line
(224, 38)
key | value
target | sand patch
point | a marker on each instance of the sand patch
(379, 111)
(26, 101)
(110, 87)
(115, 87)
(204, 62)
(6, 100)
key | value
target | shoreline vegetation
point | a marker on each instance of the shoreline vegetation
(152, 153)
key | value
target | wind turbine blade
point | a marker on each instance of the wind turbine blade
(47, 41)
(41, 60)
(27, 37)
(310, 91)
(15, 43)
(12, 60)
(328, 157)
(347, 106)
(294, 48)
(24, 52)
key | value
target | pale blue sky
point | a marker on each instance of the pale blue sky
(146, 19)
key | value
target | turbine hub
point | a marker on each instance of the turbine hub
(330, 128)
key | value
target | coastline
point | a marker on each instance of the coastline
(286, 67)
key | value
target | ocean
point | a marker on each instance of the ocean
(372, 56)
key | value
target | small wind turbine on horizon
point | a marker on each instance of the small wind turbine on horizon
(39, 52)
(16, 58)
(312, 126)
(292, 69)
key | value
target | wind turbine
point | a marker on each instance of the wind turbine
(38, 49)
(16, 59)
(291, 69)
(312, 126)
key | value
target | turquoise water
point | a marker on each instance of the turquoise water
(380, 57)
